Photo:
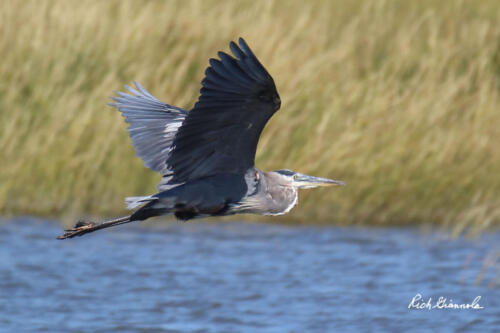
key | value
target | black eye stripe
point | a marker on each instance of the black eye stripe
(285, 172)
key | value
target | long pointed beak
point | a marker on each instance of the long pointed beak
(306, 181)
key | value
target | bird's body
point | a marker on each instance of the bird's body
(254, 192)
(206, 155)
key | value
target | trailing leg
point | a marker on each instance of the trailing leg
(81, 227)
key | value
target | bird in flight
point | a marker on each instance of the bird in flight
(206, 155)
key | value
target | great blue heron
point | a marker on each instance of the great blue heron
(206, 155)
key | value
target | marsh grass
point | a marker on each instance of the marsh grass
(398, 98)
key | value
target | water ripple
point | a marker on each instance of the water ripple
(240, 277)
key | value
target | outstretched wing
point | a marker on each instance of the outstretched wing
(153, 125)
(220, 134)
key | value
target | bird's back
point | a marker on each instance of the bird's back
(208, 196)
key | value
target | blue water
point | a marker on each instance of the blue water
(243, 277)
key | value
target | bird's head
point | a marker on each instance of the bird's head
(302, 181)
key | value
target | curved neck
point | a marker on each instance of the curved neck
(282, 196)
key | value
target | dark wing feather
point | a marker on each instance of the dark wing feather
(220, 134)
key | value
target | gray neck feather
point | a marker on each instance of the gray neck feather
(282, 194)
(269, 193)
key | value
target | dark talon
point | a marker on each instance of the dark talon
(82, 227)
(82, 223)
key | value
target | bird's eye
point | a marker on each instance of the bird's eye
(295, 177)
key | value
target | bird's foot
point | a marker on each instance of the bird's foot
(80, 228)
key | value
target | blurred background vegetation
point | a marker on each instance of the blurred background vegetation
(398, 98)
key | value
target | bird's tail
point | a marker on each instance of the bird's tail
(134, 202)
